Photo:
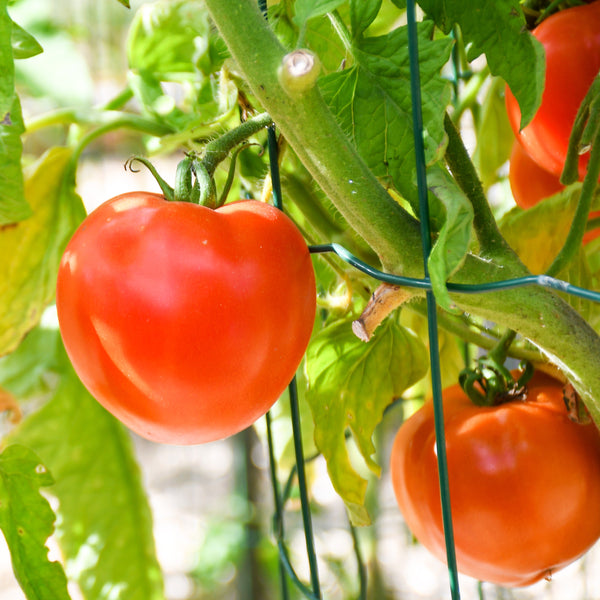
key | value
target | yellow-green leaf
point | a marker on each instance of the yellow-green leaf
(350, 385)
(31, 249)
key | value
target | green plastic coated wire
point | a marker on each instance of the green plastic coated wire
(434, 351)
(462, 288)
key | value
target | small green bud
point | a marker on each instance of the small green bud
(299, 71)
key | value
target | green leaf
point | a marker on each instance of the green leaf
(30, 369)
(494, 135)
(27, 521)
(350, 385)
(454, 238)
(498, 30)
(32, 249)
(105, 528)
(308, 9)
(372, 101)
(362, 14)
(24, 45)
(13, 206)
(173, 40)
(538, 234)
(321, 37)
(125, 3)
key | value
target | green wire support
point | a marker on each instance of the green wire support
(304, 503)
(434, 351)
(462, 288)
(295, 414)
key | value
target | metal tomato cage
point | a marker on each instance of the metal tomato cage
(298, 471)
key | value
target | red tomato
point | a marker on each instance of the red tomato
(571, 39)
(530, 183)
(186, 323)
(524, 483)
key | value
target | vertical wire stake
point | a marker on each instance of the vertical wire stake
(304, 503)
(293, 393)
(434, 355)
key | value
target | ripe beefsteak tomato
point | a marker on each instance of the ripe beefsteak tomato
(524, 483)
(186, 323)
(571, 40)
(530, 184)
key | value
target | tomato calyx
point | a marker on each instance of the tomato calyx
(490, 383)
(194, 179)
(165, 188)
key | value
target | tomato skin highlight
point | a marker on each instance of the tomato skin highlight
(571, 40)
(524, 483)
(186, 323)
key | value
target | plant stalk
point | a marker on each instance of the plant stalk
(313, 133)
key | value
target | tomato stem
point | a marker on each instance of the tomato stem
(491, 242)
(166, 189)
(218, 150)
(585, 132)
(336, 167)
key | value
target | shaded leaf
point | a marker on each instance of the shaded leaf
(33, 248)
(498, 30)
(350, 385)
(105, 527)
(27, 521)
(30, 370)
(494, 135)
(454, 238)
(372, 102)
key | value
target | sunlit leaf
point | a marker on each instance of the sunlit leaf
(350, 385)
(308, 9)
(105, 525)
(27, 521)
(13, 206)
(539, 233)
(24, 45)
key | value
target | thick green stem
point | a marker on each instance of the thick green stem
(313, 133)
(491, 242)
(219, 149)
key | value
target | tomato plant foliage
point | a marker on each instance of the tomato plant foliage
(194, 76)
